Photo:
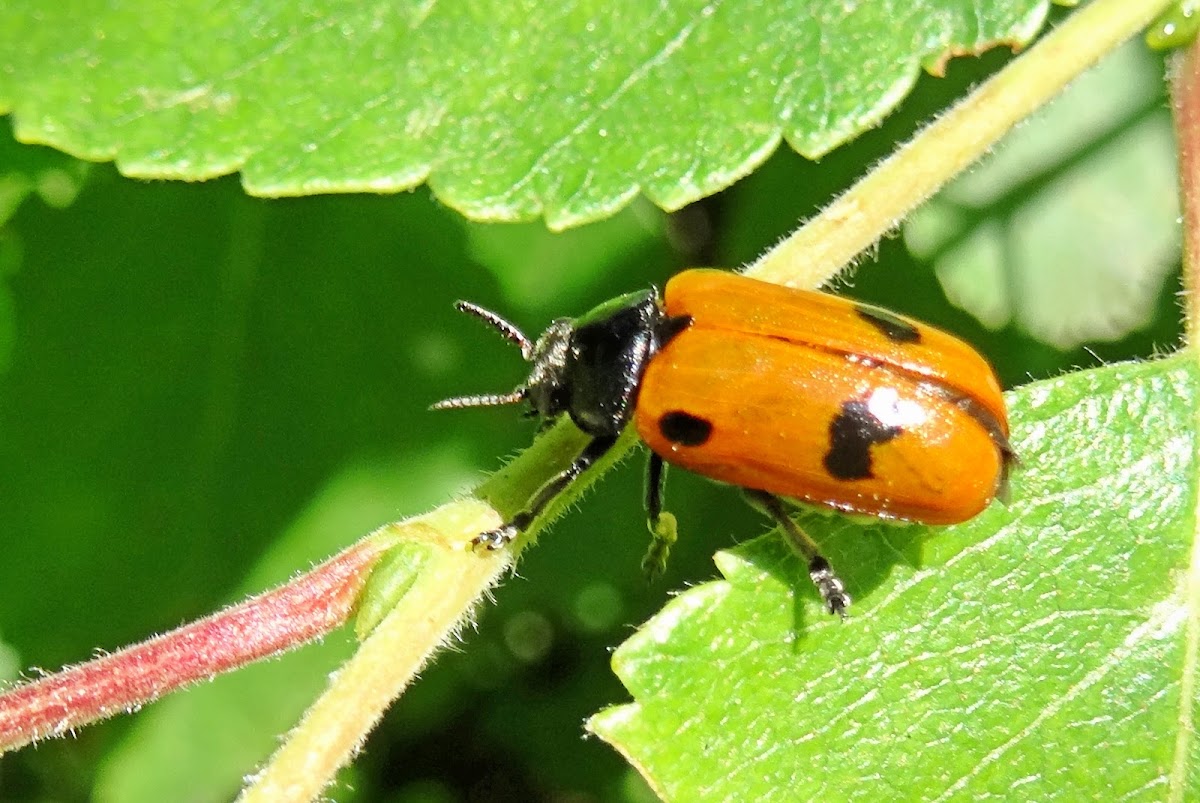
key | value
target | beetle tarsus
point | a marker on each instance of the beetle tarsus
(493, 540)
(829, 586)
(663, 534)
(504, 535)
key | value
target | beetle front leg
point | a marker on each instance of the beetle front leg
(829, 585)
(505, 534)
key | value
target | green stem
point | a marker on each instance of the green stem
(452, 582)
(449, 587)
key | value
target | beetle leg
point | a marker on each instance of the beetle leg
(829, 585)
(662, 525)
(654, 489)
(504, 535)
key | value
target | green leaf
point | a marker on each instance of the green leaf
(1047, 649)
(1070, 228)
(510, 110)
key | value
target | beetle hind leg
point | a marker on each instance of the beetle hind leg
(506, 533)
(829, 585)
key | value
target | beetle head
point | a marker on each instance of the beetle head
(548, 357)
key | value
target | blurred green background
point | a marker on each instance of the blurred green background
(203, 393)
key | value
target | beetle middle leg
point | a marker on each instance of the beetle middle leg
(662, 525)
(829, 585)
(504, 535)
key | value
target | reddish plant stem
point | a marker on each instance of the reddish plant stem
(1185, 101)
(306, 607)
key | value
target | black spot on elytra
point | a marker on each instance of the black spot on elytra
(893, 327)
(851, 435)
(684, 428)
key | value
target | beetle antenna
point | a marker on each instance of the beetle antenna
(507, 330)
(483, 400)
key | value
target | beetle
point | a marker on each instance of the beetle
(783, 392)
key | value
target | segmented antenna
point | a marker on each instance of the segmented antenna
(507, 330)
(483, 400)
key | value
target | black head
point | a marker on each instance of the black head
(589, 367)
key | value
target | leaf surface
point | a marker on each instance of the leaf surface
(1047, 648)
(509, 110)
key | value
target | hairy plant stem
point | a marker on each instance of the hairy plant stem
(1185, 102)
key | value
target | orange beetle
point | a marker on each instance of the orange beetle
(783, 392)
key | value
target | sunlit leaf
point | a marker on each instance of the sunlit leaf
(1048, 646)
(510, 110)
